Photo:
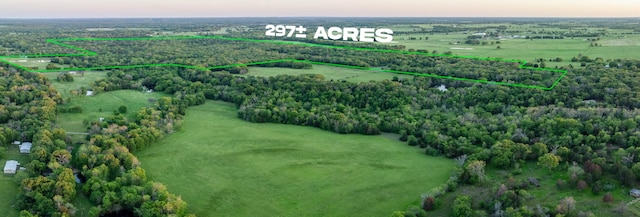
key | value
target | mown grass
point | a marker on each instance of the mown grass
(224, 166)
(329, 73)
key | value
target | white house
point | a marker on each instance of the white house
(25, 148)
(11, 166)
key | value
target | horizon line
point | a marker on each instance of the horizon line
(236, 17)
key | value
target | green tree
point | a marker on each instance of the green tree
(462, 206)
(475, 169)
(549, 160)
(122, 109)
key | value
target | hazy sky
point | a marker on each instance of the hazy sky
(330, 8)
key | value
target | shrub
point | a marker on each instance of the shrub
(75, 109)
(607, 198)
(582, 185)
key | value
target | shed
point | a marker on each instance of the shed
(25, 148)
(11, 166)
(634, 193)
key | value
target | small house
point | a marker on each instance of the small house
(25, 148)
(634, 193)
(10, 167)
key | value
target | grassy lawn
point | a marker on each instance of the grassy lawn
(103, 105)
(329, 72)
(10, 189)
(65, 88)
(223, 166)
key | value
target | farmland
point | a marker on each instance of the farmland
(329, 73)
(293, 170)
(612, 43)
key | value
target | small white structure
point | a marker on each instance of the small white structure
(72, 72)
(25, 148)
(89, 93)
(442, 88)
(634, 193)
(11, 166)
(16, 142)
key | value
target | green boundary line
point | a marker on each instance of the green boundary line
(84, 52)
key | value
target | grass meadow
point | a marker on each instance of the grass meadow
(329, 72)
(224, 166)
(65, 88)
(102, 105)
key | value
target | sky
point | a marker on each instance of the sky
(317, 8)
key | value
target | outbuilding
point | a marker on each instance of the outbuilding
(25, 148)
(11, 166)
(634, 193)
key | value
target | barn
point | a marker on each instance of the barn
(10, 167)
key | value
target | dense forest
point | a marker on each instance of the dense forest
(588, 124)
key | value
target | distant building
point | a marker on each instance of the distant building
(25, 148)
(634, 193)
(11, 166)
(89, 93)
(442, 88)
(16, 142)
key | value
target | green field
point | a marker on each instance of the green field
(614, 44)
(102, 105)
(329, 72)
(9, 189)
(223, 166)
(34, 62)
(65, 88)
